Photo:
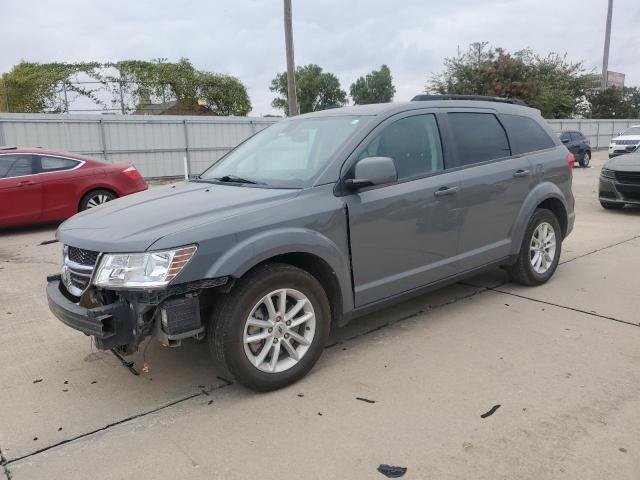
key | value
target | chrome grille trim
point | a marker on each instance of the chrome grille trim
(78, 267)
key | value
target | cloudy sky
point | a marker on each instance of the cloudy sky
(245, 38)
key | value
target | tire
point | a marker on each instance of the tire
(229, 327)
(611, 205)
(95, 198)
(586, 158)
(523, 270)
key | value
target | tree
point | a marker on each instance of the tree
(45, 87)
(316, 90)
(375, 87)
(551, 84)
(145, 82)
(614, 103)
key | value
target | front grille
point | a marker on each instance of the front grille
(83, 257)
(628, 177)
(629, 192)
(626, 142)
(77, 269)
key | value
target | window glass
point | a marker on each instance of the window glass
(288, 154)
(479, 137)
(525, 135)
(15, 165)
(575, 137)
(413, 143)
(48, 164)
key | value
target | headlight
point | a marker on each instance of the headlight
(608, 173)
(142, 270)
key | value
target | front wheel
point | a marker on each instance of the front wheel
(271, 328)
(540, 250)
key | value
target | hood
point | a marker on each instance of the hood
(626, 137)
(625, 163)
(135, 222)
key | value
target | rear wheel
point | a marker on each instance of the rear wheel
(586, 158)
(271, 328)
(540, 250)
(96, 198)
(611, 205)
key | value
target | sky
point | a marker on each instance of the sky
(245, 38)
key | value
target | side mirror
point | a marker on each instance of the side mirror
(565, 140)
(372, 171)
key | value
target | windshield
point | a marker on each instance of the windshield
(631, 131)
(288, 154)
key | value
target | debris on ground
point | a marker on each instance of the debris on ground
(391, 471)
(365, 400)
(490, 412)
(37, 380)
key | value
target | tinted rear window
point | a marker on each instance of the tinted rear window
(525, 134)
(479, 137)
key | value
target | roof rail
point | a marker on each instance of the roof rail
(482, 98)
(8, 147)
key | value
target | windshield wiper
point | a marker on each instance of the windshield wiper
(234, 179)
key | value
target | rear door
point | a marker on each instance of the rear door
(493, 186)
(20, 190)
(404, 235)
(577, 144)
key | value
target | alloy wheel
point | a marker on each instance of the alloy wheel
(279, 330)
(98, 199)
(542, 249)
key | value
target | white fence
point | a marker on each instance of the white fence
(155, 144)
(158, 144)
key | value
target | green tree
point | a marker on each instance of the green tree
(145, 82)
(41, 87)
(316, 90)
(614, 103)
(375, 87)
(551, 84)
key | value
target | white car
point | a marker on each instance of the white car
(626, 142)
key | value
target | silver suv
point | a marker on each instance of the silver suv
(314, 221)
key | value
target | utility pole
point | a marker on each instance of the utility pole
(291, 68)
(607, 40)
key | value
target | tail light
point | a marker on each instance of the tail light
(132, 173)
(571, 160)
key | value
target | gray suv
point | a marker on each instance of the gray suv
(314, 221)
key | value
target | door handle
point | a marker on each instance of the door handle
(521, 173)
(443, 191)
(25, 183)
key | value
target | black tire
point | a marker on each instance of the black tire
(522, 271)
(227, 324)
(611, 205)
(89, 200)
(586, 158)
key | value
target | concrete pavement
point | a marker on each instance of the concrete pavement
(561, 360)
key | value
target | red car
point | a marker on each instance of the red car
(38, 185)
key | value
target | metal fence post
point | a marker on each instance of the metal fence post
(103, 139)
(253, 127)
(66, 100)
(597, 135)
(2, 141)
(186, 145)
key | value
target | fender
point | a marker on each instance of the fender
(251, 251)
(539, 194)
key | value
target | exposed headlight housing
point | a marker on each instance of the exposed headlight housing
(608, 173)
(150, 270)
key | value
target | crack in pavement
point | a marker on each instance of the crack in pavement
(586, 312)
(599, 250)
(202, 392)
(3, 464)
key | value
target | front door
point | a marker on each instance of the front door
(20, 190)
(404, 235)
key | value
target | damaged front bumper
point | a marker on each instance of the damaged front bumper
(130, 317)
(112, 325)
